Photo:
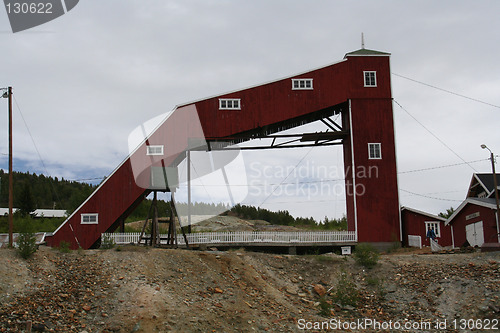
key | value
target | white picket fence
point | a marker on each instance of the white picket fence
(245, 237)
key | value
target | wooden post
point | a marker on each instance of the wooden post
(189, 188)
(11, 176)
(145, 225)
(497, 200)
(154, 226)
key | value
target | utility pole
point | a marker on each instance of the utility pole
(8, 94)
(495, 184)
(11, 178)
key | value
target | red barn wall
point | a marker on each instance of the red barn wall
(414, 224)
(274, 102)
(486, 215)
(375, 203)
(110, 200)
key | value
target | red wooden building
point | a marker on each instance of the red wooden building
(357, 87)
(416, 223)
(475, 221)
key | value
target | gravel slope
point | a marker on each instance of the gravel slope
(140, 289)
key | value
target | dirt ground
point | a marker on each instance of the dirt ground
(138, 289)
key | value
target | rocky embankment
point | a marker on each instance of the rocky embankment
(137, 289)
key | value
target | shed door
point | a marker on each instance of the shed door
(474, 233)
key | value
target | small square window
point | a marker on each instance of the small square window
(154, 150)
(370, 78)
(302, 84)
(374, 151)
(229, 104)
(91, 218)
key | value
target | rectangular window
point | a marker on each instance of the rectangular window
(374, 151)
(370, 78)
(302, 84)
(154, 150)
(91, 218)
(434, 226)
(229, 104)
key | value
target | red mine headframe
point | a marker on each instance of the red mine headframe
(358, 88)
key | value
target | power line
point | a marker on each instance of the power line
(434, 135)
(447, 91)
(36, 148)
(429, 197)
(324, 180)
(443, 166)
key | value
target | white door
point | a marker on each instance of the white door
(474, 233)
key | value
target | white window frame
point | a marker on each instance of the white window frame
(374, 157)
(434, 225)
(367, 79)
(229, 104)
(90, 218)
(154, 150)
(302, 84)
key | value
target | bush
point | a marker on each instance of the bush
(107, 242)
(366, 255)
(26, 244)
(324, 307)
(346, 292)
(64, 247)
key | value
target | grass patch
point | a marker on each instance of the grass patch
(64, 247)
(346, 292)
(325, 307)
(366, 255)
(373, 281)
(107, 243)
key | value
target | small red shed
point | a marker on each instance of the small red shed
(474, 223)
(415, 224)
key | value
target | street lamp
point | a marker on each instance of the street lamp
(492, 157)
(7, 93)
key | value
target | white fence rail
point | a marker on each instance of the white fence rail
(415, 241)
(245, 237)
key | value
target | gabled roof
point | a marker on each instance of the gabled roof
(416, 211)
(482, 182)
(366, 52)
(483, 202)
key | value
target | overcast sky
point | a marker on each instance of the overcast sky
(84, 81)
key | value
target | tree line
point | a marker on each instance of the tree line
(32, 191)
(283, 217)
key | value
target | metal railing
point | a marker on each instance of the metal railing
(246, 237)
